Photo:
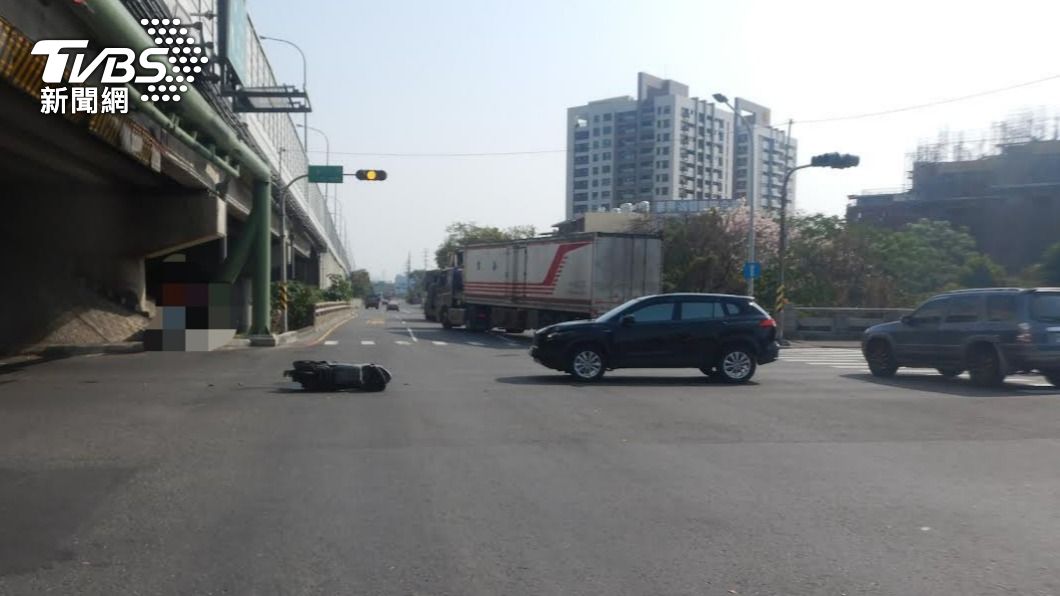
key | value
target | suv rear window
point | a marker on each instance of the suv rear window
(701, 310)
(736, 308)
(1045, 307)
(1000, 308)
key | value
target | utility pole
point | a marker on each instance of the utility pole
(283, 240)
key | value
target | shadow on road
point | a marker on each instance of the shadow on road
(959, 387)
(612, 380)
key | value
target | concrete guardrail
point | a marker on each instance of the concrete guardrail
(808, 322)
(326, 312)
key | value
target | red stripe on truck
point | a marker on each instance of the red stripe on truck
(554, 269)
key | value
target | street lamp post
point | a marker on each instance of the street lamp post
(327, 161)
(720, 98)
(305, 115)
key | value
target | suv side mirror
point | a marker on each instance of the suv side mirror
(908, 320)
(628, 320)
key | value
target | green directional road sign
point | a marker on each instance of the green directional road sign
(325, 174)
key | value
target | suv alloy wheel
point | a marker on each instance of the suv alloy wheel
(737, 365)
(586, 363)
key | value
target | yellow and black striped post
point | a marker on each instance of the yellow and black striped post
(283, 296)
(781, 310)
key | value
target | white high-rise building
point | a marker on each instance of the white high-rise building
(680, 153)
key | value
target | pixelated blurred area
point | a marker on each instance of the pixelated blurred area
(191, 316)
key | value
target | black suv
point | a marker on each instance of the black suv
(721, 335)
(371, 301)
(990, 333)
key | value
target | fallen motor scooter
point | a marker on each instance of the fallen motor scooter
(323, 375)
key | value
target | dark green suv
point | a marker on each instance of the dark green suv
(990, 333)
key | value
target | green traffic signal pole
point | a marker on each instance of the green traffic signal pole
(827, 160)
(266, 249)
(784, 246)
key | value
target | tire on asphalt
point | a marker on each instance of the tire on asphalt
(444, 316)
(736, 365)
(949, 373)
(984, 366)
(880, 358)
(586, 363)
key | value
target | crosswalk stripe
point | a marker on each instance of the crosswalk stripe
(402, 342)
(439, 343)
(476, 343)
(367, 342)
(331, 342)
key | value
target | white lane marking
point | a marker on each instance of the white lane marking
(367, 342)
(476, 343)
(439, 343)
(850, 366)
(409, 329)
(331, 342)
(402, 342)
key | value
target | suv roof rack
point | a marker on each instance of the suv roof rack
(983, 290)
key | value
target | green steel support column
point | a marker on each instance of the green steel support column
(262, 212)
(237, 255)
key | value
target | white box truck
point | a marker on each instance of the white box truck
(528, 284)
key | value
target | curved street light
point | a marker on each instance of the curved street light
(722, 99)
(305, 89)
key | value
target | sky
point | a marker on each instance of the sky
(479, 76)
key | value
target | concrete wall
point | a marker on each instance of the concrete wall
(329, 265)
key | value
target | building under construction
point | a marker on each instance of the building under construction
(1004, 187)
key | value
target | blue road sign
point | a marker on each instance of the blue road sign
(752, 270)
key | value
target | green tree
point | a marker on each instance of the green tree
(701, 253)
(980, 271)
(461, 234)
(339, 290)
(1049, 269)
(301, 300)
(360, 283)
(925, 256)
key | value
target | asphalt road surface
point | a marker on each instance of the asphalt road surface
(479, 472)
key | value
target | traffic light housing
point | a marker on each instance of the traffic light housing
(371, 175)
(838, 161)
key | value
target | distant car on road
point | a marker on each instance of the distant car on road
(392, 306)
(722, 335)
(990, 333)
(371, 301)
